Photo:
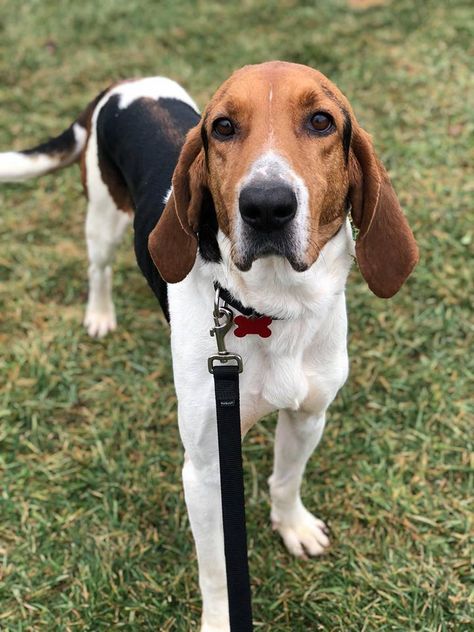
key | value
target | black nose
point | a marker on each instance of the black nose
(267, 207)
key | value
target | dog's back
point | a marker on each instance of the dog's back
(139, 139)
(127, 140)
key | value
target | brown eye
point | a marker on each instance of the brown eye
(223, 128)
(321, 122)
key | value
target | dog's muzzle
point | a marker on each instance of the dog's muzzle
(268, 210)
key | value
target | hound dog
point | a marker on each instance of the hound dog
(261, 192)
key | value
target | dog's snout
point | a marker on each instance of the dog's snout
(267, 207)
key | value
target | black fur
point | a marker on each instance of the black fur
(208, 246)
(347, 125)
(346, 134)
(143, 142)
(65, 143)
(204, 138)
(205, 141)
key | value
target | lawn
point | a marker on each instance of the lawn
(93, 529)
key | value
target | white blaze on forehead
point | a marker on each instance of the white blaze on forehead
(271, 134)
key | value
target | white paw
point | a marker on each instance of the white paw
(302, 533)
(98, 324)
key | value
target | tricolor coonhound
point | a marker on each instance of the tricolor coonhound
(253, 196)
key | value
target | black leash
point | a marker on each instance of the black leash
(226, 384)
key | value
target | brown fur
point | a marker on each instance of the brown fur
(115, 184)
(386, 250)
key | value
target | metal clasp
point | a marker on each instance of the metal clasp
(225, 314)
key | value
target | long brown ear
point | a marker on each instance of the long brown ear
(386, 250)
(173, 242)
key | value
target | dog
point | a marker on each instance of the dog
(253, 197)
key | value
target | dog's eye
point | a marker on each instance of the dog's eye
(321, 122)
(223, 128)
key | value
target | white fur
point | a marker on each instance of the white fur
(167, 195)
(15, 166)
(154, 88)
(298, 370)
(80, 135)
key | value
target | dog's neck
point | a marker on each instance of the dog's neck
(271, 286)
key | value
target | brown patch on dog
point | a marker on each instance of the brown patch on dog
(115, 184)
(163, 119)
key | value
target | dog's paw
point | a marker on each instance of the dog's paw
(302, 533)
(99, 324)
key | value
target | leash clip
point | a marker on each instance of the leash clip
(225, 314)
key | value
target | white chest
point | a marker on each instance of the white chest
(301, 365)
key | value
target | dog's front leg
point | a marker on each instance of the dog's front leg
(202, 493)
(297, 435)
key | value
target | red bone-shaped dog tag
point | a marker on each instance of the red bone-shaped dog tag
(258, 326)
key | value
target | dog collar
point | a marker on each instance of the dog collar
(251, 321)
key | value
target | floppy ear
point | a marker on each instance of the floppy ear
(386, 250)
(173, 242)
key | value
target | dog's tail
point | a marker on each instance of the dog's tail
(54, 154)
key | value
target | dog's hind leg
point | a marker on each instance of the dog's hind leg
(297, 435)
(105, 226)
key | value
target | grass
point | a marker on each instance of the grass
(93, 529)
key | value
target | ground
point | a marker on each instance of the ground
(93, 529)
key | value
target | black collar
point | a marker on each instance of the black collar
(250, 312)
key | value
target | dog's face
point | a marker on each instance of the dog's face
(277, 154)
(280, 158)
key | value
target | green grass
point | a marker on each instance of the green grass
(93, 529)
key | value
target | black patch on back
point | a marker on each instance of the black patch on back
(143, 142)
(346, 134)
(208, 246)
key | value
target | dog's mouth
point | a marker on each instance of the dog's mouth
(279, 243)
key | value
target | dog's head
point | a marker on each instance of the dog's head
(279, 158)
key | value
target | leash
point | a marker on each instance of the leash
(225, 367)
